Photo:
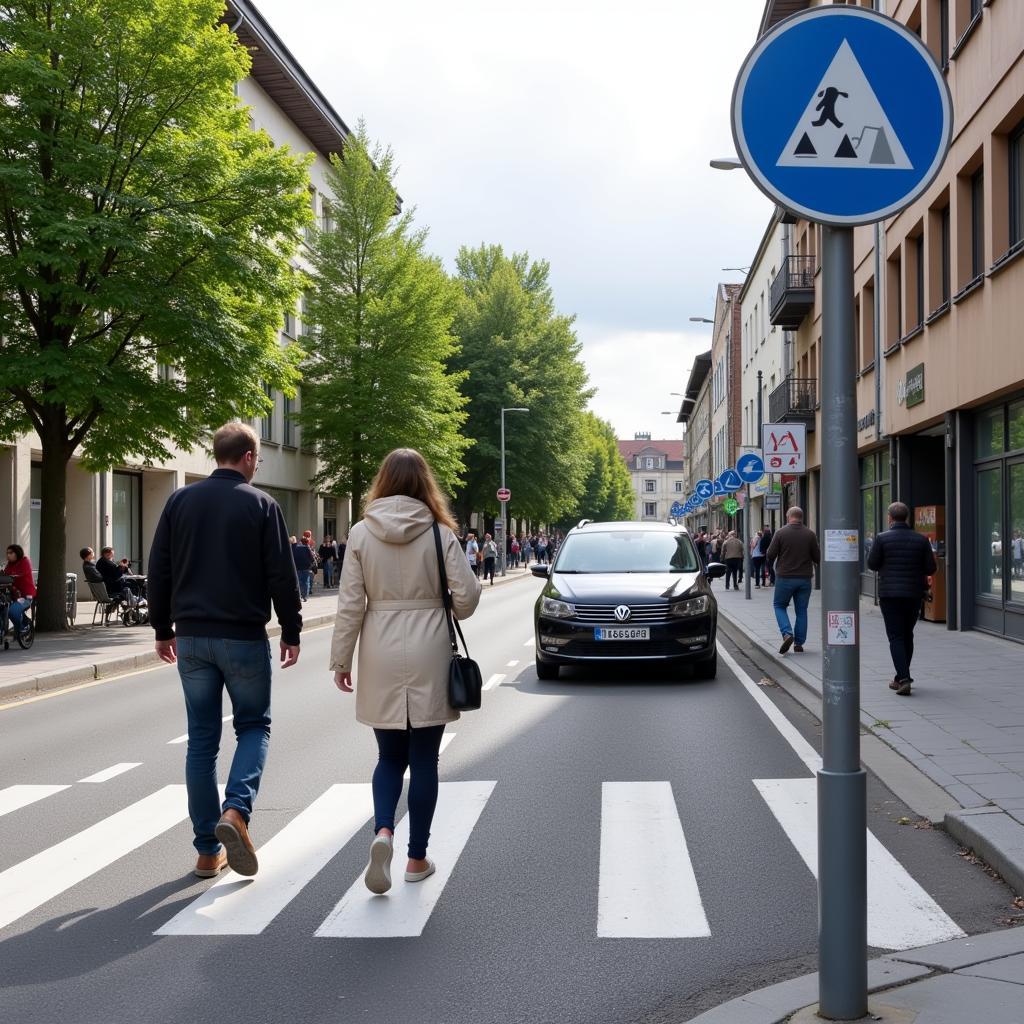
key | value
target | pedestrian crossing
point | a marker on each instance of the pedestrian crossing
(648, 886)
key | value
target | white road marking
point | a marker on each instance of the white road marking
(901, 915)
(495, 680)
(530, 642)
(790, 733)
(234, 905)
(112, 772)
(13, 798)
(512, 663)
(445, 740)
(184, 738)
(647, 888)
(31, 883)
(406, 909)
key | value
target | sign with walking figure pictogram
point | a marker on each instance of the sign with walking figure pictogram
(785, 447)
(841, 115)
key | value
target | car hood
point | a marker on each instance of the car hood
(604, 588)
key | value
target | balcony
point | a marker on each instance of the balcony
(793, 292)
(794, 400)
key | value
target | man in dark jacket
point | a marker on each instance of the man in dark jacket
(767, 569)
(111, 572)
(210, 604)
(305, 563)
(904, 560)
(794, 553)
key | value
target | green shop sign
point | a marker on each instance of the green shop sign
(910, 390)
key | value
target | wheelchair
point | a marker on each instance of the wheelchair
(27, 635)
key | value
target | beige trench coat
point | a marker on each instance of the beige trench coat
(389, 597)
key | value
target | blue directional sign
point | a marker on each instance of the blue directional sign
(705, 489)
(730, 481)
(750, 467)
(677, 509)
(841, 115)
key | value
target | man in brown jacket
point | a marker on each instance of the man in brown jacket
(732, 553)
(794, 552)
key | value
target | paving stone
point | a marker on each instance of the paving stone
(959, 999)
(1002, 784)
(959, 953)
(1009, 968)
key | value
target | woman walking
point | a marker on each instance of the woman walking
(390, 599)
(490, 553)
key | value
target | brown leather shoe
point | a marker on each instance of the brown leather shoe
(210, 865)
(232, 831)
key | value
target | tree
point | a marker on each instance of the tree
(519, 351)
(375, 376)
(607, 492)
(142, 224)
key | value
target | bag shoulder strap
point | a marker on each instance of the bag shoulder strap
(446, 598)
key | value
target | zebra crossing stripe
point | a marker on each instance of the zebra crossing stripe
(445, 741)
(647, 888)
(31, 883)
(405, 910)
(13, 798)
(112, 772)
(901, 915)
(293, 857)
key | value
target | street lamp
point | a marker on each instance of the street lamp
(504, 504)
(700, 320)
(726, 163)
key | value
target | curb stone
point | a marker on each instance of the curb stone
(995, 837)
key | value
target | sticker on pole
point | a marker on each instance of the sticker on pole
(842, 545)
(842, 115)
(504, 494)
(842, 629)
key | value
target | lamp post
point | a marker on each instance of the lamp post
(504, 504)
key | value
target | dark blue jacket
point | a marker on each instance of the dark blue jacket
(903, 559)
(303, 555)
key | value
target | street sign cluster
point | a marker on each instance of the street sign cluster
(749, 469)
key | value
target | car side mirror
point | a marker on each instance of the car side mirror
(715, 570)
(542, 569)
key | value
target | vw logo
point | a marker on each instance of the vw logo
(623, 613)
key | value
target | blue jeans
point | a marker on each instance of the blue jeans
(16, 612)
(797, 588)
(417, 750)
(206, 667)
(328, 574)
(305, 582)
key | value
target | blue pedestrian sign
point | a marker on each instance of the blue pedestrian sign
(730, 481)
(677, 510)
(750, 468)
(841, 115)
(705, 489)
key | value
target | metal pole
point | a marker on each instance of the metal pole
(842, 786)
(746, 545)
(504, 504)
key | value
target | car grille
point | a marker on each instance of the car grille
(624, 649)
(640, 614)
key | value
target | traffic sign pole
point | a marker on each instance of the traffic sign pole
(746, 545)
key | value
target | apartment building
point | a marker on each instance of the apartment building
(121, 507)
(656, 468)
(695, 416)
(941, 369)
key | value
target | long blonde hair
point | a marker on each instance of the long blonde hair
(404, 471)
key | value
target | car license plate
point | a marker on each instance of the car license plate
(622, 633)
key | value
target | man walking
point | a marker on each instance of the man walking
(305, 563)
(209, 604)
(794, 553)
(732, 552)
(904, 560)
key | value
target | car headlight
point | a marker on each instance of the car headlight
(692, 606)
(556, 609)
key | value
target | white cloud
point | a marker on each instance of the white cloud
(579, 131)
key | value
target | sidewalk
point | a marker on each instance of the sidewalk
(980, 978)
(963, 726)
(87, 652)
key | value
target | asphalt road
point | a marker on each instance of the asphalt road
(559, 907)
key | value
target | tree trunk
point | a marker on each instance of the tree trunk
(50, 615)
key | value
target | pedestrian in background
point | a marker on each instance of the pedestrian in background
(326, 553)
(701, 544)
(756, 559)
(490, 553)
(732, 552)
(903, 560)
(304, 559)
(794, 552)
(527, 551)
(767, 569)
(390, 600)
(514, 551)
(209, 602)
(19, 566)
(472, 551)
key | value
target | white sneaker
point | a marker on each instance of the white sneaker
(418, 876)
(378, 871)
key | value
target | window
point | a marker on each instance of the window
(310, 230)
(867, 325)
(327, 220)
(650, 510)
(894, 308)
(650, 486)
(289, 324)
(289, 502)
(989, 523)
(943, 32)
(1017, 186)
(307, 326)
(919, 279)
(977, 223)
(649, 463)
(288, 410)
(944, 250)
(678, 486)
(267, 421)
(976, 6)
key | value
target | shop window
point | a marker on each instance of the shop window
(1015, 555)
(1016, 431)
(989, 433)
(1016, 157)
(874, 500)
(989, 521)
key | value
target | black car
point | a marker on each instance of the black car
(627, 592)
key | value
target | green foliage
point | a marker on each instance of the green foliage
(142, 223)
(607, 493)
(375, 376)
(519, 351)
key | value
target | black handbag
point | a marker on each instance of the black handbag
(465, 684)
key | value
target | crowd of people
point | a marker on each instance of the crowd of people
(482, 555)
(724, 546)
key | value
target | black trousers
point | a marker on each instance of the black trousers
(734, 570)
(900, 615)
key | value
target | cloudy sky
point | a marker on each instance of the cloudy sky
(577, 131)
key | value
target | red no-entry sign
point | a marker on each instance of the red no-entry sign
(504, 494)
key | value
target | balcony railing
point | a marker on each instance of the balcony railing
(793, 292)
(794, 399)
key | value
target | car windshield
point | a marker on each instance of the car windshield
(627, 551)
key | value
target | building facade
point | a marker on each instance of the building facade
(940, 385)
(656, 468)
(695, 416)
(121, 507)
